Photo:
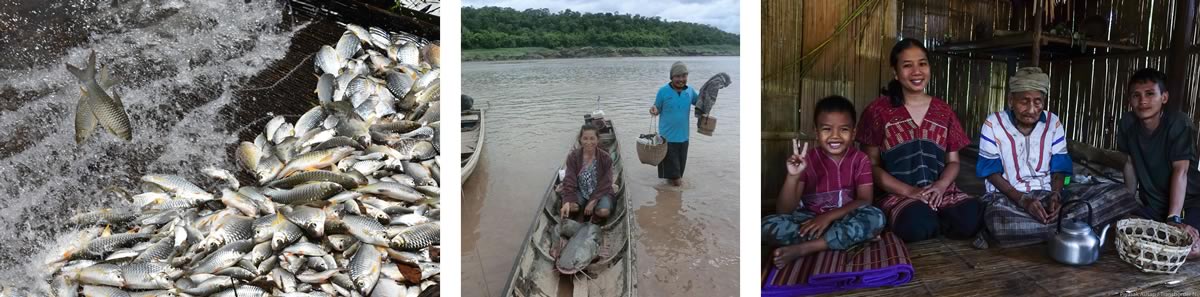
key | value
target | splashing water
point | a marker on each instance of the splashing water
(177, 62)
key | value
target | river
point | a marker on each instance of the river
(687, 237)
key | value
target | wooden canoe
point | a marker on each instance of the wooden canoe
(612, 274)
(473, 132)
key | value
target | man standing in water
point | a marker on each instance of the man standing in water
(674, 102)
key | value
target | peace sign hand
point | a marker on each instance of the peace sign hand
(796, 162)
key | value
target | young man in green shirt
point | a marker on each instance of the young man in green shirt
(1160, 149)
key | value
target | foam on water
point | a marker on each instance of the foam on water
(177, 61)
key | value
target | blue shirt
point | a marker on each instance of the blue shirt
(674, 110)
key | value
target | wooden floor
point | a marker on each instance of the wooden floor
(954, 268)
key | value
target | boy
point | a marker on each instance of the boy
(826, 198)
(1161, 154)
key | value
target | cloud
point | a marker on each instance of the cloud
(723, 14)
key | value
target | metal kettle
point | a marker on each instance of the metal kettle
(1076, 243)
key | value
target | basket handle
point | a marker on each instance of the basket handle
(653, 124)
(1062, 212)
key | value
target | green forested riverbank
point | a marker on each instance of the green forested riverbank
(494, 33)
(531, 53)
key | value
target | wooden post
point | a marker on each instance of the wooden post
(1037, 34)
(1185, 17)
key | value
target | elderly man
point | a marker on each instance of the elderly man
(1023, 159)
(674, 102)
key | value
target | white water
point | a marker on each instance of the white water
(177, 61)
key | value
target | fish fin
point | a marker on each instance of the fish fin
(107, 231)
(105, 79)
(85, 120)
(117, 98)
(78, 73)
(91, 65)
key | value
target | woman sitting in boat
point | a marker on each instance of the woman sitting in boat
(588, 178)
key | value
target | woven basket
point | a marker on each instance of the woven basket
(1152, 246)
(652, 154)
(706, 124)
(651, 148)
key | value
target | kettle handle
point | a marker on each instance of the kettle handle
(1065, 208)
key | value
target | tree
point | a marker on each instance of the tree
(496, 27)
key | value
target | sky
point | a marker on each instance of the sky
(722, 14)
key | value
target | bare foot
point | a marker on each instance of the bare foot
(677, 182)
(787, 254)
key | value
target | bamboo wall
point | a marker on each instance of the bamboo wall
(1087, 92)
(852, 64)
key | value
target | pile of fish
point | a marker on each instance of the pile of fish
(343, 201)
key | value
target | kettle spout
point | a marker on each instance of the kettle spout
(1103, 233)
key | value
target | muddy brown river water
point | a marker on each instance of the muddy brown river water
(687, 237)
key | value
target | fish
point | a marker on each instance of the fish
(99, 247)
(348, 45)
(103, 291)
(364, 268)
(310, 192)
(580, 250)
(366, 230)
(708, 93)
(337, 200)
(222, 174)
(310, 219)
(248, 155)
(325, 85)
(314, 160)
(107, 111)
(104, 216)
(149, 275)
(392, 190)
(102, 274)
(229, 229)
(310, 120)
(328, 61)
(225, 256)
(417, 237)
(341, 179)
(159, 251)
(85, 120)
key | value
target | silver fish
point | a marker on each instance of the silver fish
(306, 193)
(315, 160)
(417, 237)
(102, 246)
(103, 291)
(392, 190)
(347, 46)
(315, 176)
(228, 229)
(366, 230)
(248, 155)
(310, 219)
(223, 257)
(328, 61)
(222, 174)
(102, 274)
(364, 268)
(311, 119)
(107, 110)
(149, 275)
(104, 216)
